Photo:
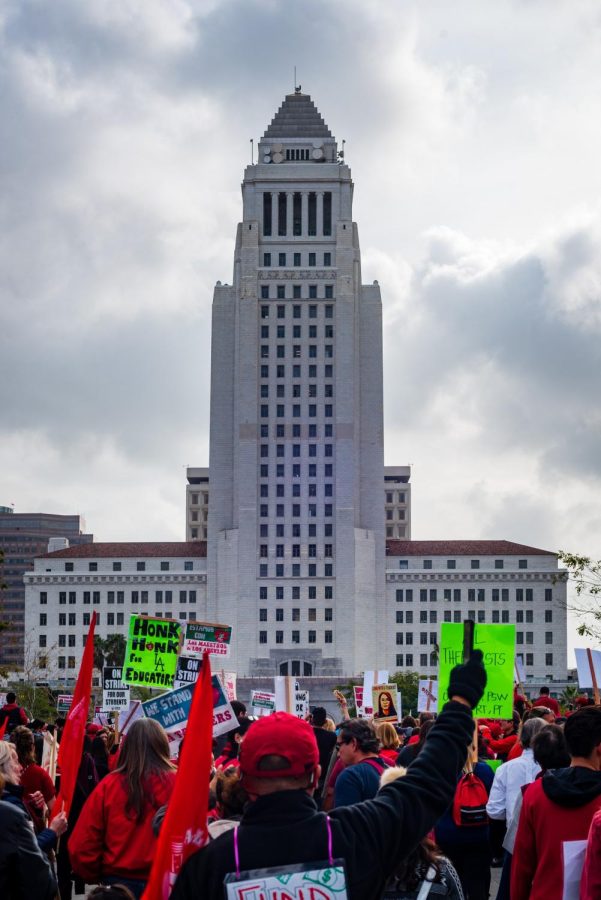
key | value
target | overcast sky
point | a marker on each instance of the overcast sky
(474, 137)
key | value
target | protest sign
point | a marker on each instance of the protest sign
(262, 703)
(427, 695)
(301, 704)
(573, 862)
(171, 710)
(228, 680)
(115, 694)
(301, 881)
(63, 703)
(128, 716)
(587, 666)
(497, 643)
(358, 695)
(203, 637)
(385, 703)
(188, 670)
(369, 679)
(151, 652)
(520, 675)
(49, 754)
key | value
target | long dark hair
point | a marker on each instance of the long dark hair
(23, 740)
(144, 752)
(412, 870)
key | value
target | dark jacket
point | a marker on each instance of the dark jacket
(372, 837)
(46, 838)
(24, 870)
(16, 715)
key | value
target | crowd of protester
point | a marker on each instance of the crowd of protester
(425, 807)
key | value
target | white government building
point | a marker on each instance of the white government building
(298, 535)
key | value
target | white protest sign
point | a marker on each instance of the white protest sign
(427, 695)
(228, 680)
(128, 716)
(301, 704)
(585, 679)
(293, 882)
(369, 679)
(519, 669)
(115, 694)
(573, 861)
(285, 687)
(262, 703)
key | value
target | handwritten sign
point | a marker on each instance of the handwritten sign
(202, 636)
(427, 695)
(115, 695)
(497, 643)
(309, 881)
(151, 652)
(358, 695)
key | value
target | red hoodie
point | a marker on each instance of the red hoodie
(590, 885)
(556, 808)
(108, 841)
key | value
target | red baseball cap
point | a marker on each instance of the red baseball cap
(279, 735)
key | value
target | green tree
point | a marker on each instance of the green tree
(569, 694)
(585, 574)
(109, 651)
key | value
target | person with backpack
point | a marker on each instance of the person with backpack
(462, 833)
(281, 827)
(12, 714)
(358, 750)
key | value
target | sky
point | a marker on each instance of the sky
(473, 135)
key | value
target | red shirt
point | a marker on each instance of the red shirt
(504, 745)
(550, 702)
(108, 841)
(590, 885)
(537, 862)
(34, 778)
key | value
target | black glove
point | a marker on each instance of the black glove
(469, 680)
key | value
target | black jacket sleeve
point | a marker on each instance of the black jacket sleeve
(23, 865)
(404, 811)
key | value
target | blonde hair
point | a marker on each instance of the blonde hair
(329, 725)
(389, 739)
(7, 754)
(391, 774)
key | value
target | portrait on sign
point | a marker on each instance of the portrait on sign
(385, 702)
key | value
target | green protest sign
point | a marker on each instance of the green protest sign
(151, 652)
(497, 643)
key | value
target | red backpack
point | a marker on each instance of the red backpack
(469, 805)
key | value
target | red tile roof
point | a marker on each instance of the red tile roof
(462, 548)
(122, 550)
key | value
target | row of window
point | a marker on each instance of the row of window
(69, 620)
(295, 510)
(328, 592)
(280, 450)
(296, 390)
(195, 498)
(294, 571)
(135, 597)
(140, 566)
(295, 529)
(328, 614)
(297, 309)
(296, 431)
(405, 660)
(311, 372)
(474, 563)
(297, 258)
(425, 637)
(297, 351)
(296, 292)
(405, 595)
(328, 490)
(279, 207)
(296, 550)
(406, 616)
(295, 637)
(297, 332)
(295, 411)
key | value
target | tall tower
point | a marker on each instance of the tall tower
(296, 545)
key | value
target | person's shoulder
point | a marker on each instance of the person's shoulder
(11, 814)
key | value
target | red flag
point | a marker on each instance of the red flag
(71, 746)
(184, 827)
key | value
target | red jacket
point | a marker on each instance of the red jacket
(590, 885)
(557, 807)
(515, 752)
(108, 841)
(504, 745)
(550, 702)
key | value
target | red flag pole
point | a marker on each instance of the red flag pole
(184, 829)
(71, 746)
